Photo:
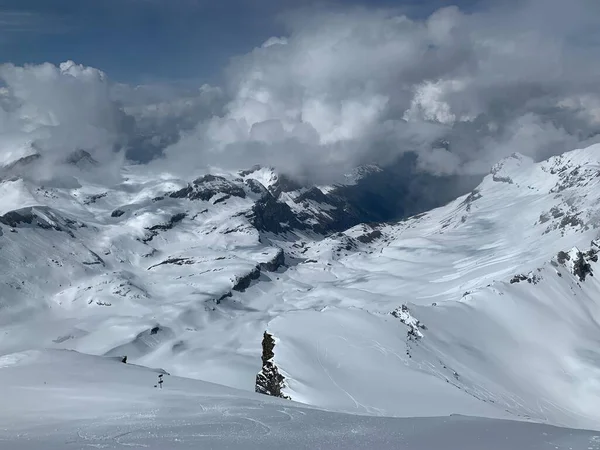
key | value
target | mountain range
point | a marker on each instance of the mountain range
(391, 296)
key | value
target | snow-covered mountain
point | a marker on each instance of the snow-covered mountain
(487, 306)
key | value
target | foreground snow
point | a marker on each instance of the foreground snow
(65, 400)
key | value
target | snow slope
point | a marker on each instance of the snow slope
(187, 276)
(528, 347)
(65, 400)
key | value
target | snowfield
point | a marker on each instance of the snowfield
(486, 307)
(66, 400)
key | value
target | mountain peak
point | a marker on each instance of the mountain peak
(510, 167)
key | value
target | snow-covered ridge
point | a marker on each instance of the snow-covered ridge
(122, 408)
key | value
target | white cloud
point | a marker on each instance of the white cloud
(55, 111)
(359, 86)
(342, 88)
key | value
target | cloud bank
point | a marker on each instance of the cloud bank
(362, 86)
(340, 89)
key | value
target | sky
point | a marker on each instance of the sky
(189, 85)
(192, 39)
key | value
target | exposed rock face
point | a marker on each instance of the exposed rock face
(269, 215)
(531, 278)
(164, 227)
(81, 159)
(562, 218)
(370, 237)
(144, 342)
(275, 263)
(269, 381)
(578, 262)
(284, 184)
(175, 261)
(414, 325)
(243, 282)
(500, 179)
(206, 187)
(14, 168)
(40, 216)
(581, 267)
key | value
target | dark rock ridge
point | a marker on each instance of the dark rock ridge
(471, 198)
(274, 263)
(40, 216)
(581, 265)
(163, 226)
(174, 261)
(269, 381)
(370, 237)
(81, 159)
(14, 167)
(242, 283)
(377, 195)
(206, 187)
(500, 179)
(270, 215)
(571, 176)
(95, 260)
(560, 219)
(144, 343)
(531, 278)
(94, 198)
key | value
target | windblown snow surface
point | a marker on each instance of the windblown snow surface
(472, 326)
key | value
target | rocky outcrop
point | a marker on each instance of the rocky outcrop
(500, 179)
(562, 218)
(15, 167)
(163, 226)
(174, 261)
(40, 216)
(269, 381)
(471, 198)
(284, 184)
(144, 343)
(243, 282)
(81, 159)
(581, 267)
(370, 237)
(531, 278)
(94, 198)
(274, 263)
(269, 215)
(414, 326)
(578, 262)
(206, 187)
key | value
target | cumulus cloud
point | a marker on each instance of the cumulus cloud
(340, 88)
(363, 86)
(55, 111)
(58, 111)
